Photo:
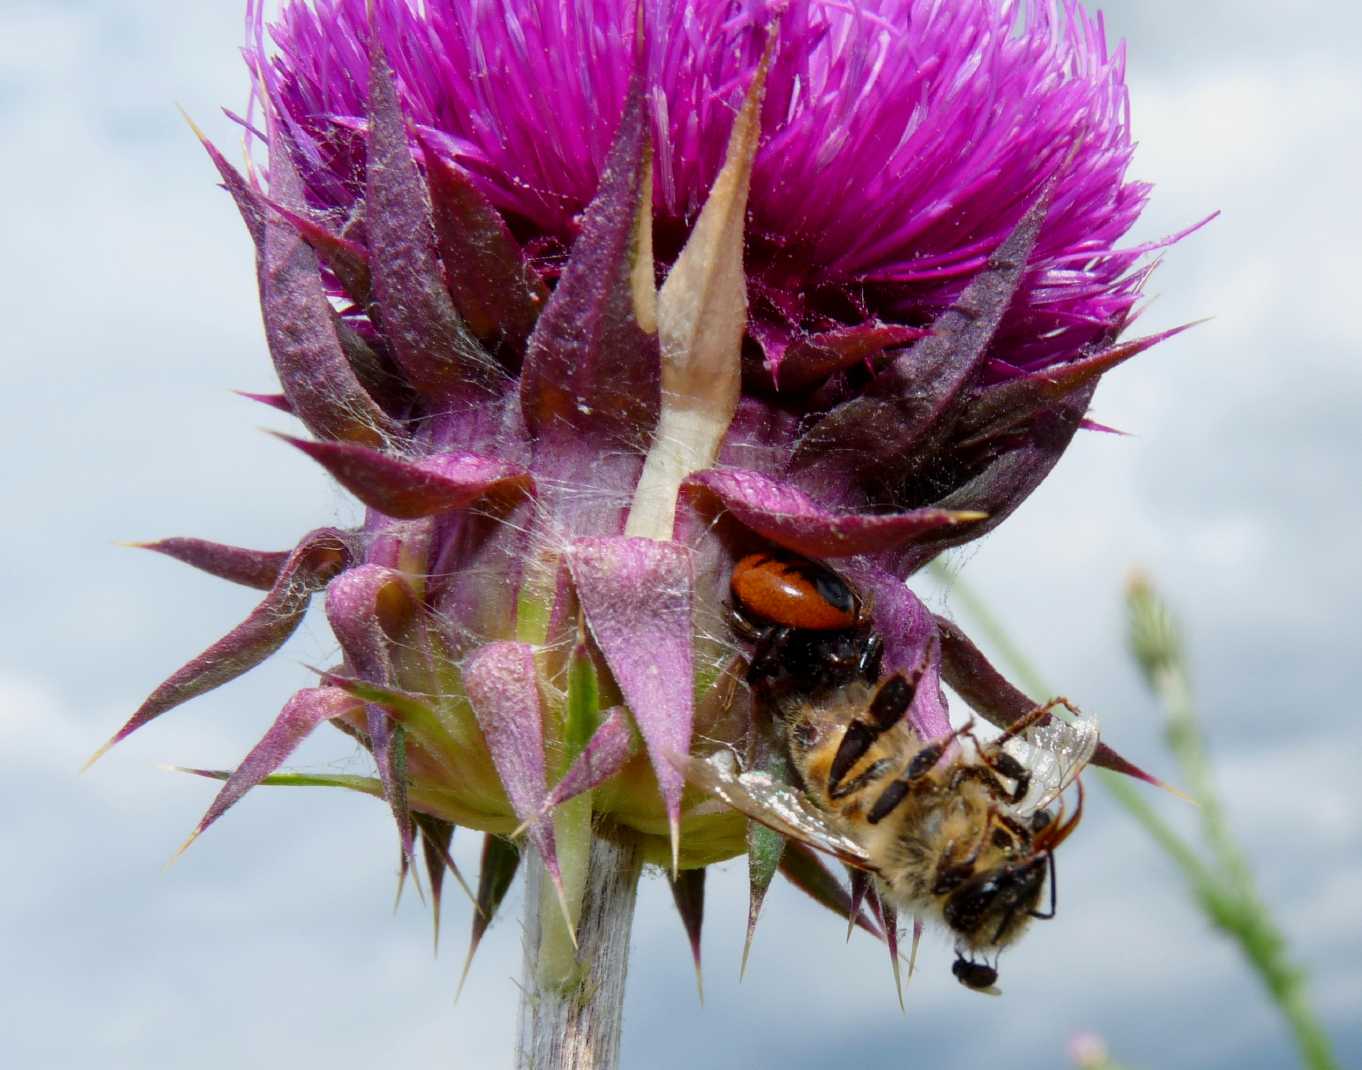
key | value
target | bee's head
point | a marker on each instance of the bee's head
(992, 907)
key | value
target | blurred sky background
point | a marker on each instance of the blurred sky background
(128, 296)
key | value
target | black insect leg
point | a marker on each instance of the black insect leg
(922, 763)
(882, 768)
(744, 627)
(1039, 715)
(1053, 892)
(886, 709)
(766, 656)
(1003, 763)
(987, 775)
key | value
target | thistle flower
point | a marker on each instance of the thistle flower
(886, 240)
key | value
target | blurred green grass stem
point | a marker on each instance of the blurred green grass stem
(1224, 888)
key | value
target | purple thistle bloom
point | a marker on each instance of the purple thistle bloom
(886, 236)
(902, 141)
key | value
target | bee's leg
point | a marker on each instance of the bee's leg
(986, 775)
(922, 763)
(1054, 894)
(1020, 831)
(1026, 720)
(886, 710)
(996, 765)
(1002, 763)
(951, 874)
(872, 773)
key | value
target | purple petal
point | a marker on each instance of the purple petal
(500, 860)
(503, 689)
(688, 892)
(274, 401)
(250, 568)
(428, 339)
(368, 608)
(989, 694)
(860, 884)
(891, 939)
(346, 259)
(248, 200)
(495, 289)
(610, 748)
(378, 374)
(304, 712)
(812, 358)
(319, 557)
(868, 442)
(1093, 425)
(784, 514)
(806, 871)
(1006, 481)
(592, 366)
(636, 594)
(299, 321)
(409, 709)
(894, 157)
(412, 489)
(436, 837)
(300, 326)
(911, 646)
(997, 409)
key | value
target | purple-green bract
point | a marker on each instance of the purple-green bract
(892, 282)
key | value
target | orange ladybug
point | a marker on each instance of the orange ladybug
(794, 592)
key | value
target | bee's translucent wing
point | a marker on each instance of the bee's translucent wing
(1054, 753)
(775, 805)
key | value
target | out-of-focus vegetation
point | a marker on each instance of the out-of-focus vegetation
(1215, 867)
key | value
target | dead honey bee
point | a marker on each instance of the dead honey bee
(956, 828)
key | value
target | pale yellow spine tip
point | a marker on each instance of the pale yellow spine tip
(467, 965)
(182, 848)
(1180, 794)
(567, 914)
(198, 133)
(97, 755)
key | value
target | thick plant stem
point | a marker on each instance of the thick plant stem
(572, 1021)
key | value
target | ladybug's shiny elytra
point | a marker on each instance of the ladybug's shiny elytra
(794, 592)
